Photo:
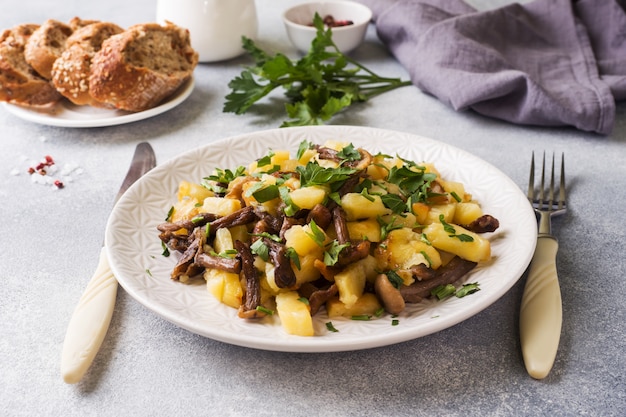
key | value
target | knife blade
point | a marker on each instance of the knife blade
(91, 317)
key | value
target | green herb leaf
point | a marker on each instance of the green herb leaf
(443, 291)
(394, 202)
(349, 153)
(317, 234)
(448, 228)
(293, 256)
(303, 147)
(331, 327)
(290, 207)
(266, 160)
(225, 176)
(315, 174)
(395, 279)
(261, 249)
(331, 255)
(169, 214)
(166, 251)
(467, 289)
(386, 228)
(265, 194)
(265, 310)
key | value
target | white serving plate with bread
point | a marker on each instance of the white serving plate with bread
(90, 73)
(67, 114)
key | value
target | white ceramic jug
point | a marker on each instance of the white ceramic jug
(215, 26)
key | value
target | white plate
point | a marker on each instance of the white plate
(67, 114)
(135, 250)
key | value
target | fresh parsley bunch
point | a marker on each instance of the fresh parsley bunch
(320, 84)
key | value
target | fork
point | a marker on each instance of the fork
(541, 312)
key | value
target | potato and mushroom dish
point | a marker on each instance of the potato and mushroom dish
(333, 227)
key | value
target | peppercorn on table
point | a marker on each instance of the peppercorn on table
(60, 181)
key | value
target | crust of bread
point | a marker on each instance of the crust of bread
(71, 71)
(139, 68)
(76, 23)
(19, 83)
(46, 44)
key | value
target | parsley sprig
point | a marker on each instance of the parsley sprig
(319, 85)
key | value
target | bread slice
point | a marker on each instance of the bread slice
(139, 68)
(19, 83)
(70, 72)
(46, 45)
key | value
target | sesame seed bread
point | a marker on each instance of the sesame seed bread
(19, 83)
(46, 44)
(138, 68)
(71, 71)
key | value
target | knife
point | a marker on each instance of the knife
(90, 320)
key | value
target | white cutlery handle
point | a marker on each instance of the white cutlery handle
(89, 322)
(541, 312)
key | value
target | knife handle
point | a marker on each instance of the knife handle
(89, 322)
(541, 312)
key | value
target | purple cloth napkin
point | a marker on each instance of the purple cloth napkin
(549, 62)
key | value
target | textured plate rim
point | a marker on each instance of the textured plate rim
(94, 117)
(136, 276)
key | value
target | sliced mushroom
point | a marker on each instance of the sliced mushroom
(389, 295)
(447, 274)
(484, 224)
(252, 298)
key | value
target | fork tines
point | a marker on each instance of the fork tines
(545, 198)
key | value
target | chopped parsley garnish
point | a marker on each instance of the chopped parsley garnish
(395, 279)
(261, 249)
(304, 146)
(394, 202)
(315, 174)
(166, 251)
(263, 193)
(331, 327)
(349, 153)
(385, 227)
(266, 160)
(265, 310)
(293, 256)
(443, 291)
(169, 214)
(452, 231)
(290, 207)
(413, 181)
(317, 235)
(467, 289)
(331, 255)
(225, 176)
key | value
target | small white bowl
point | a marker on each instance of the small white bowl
(298, 20)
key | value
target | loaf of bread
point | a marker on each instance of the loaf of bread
(71, 71)
(140, 67)
(19, 82)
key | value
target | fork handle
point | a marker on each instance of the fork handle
(541, 312)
